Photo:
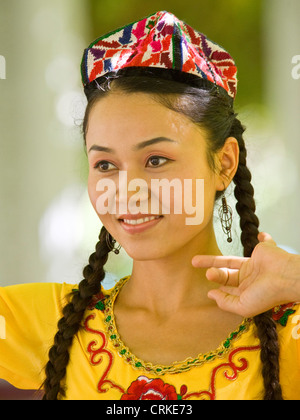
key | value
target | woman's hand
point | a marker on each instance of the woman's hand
(250, 286)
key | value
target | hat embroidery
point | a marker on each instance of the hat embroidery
(160, 40)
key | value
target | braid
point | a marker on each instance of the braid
(266, 327)
(70, 323)
(245, 206)
(267, 334)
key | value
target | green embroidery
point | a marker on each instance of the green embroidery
(226, 343)
(284, 319)
(174, 368)
(100, 305)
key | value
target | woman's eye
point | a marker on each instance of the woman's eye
(104, 166)
(155, 161)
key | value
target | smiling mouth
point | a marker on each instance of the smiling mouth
(140, 220)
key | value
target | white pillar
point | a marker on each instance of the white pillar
(42, 46)
(282, 93)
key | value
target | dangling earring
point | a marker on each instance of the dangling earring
(111, 244)
(225, 214)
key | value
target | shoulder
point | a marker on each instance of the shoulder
(33, 297)
(37, 288)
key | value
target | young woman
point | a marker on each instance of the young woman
(160, 108)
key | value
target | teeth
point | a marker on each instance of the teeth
(139, 221)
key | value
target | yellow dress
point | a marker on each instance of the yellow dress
(102, 367)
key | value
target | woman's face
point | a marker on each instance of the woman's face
(135, 144)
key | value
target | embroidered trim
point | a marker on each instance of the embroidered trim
(175, 367)
(211, 394)
(281, 313)
(147, 389)
(144, 388)
(96, 357)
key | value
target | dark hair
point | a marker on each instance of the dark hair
(212, 109)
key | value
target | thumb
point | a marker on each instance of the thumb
(225, 301)
(266, 237)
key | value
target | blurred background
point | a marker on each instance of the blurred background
(48, 228)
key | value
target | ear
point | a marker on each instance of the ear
(228, 161)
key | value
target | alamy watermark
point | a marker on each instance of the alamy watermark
(2, 328)
(166, 197)
(296, 68)
(296, 330)
(2, 67)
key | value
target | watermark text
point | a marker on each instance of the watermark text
(2, 67)
(163, 196)
(296, 330)
(296, 68)
(2, 328)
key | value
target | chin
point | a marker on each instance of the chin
(143, 252)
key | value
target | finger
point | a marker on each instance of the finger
(226, 302)
(224, 276)
(266, 237)
(231, 290)
(206, 261)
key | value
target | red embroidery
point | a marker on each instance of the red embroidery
(149, 389)
(96, 356)
(281, 313)
(235, 370)
(156, 389)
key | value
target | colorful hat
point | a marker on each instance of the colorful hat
(162, 41)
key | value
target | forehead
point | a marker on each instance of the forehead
(133, 117)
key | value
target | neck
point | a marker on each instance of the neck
(164, 285)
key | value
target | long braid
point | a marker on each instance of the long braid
(267, 334)
(70, 323)
(266, 327)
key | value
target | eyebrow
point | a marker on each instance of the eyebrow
(137, 147)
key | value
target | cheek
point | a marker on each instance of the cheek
(95, 197)
(93, 194)
(102, 194)
(200, 189)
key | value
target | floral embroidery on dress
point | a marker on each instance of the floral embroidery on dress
(144, 388)
(211, 393)
(98, 302)
(150, 389)
(281, 313)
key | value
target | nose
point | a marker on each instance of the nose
(133, 193)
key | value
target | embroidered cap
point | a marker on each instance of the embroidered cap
(162, 41)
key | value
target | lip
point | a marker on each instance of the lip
(137, 216)
(140, 227)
